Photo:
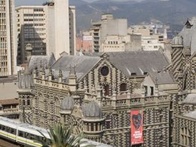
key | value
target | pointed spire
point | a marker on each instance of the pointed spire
(60, 76)
(156, 87)
(40, 64)
(50, 71)
(50, 74)
(72, 71)
(60, 73)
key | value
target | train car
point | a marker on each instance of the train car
(30, 135)
(8, 128)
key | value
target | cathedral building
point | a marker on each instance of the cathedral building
(124, 99)
(99, 93)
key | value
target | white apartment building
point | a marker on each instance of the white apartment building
(117, 43)
(60, 28)
(31, 30)
(155, 31)
(153, 35)
(7, 38)
(151, 44)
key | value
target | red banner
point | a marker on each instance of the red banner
(136, 127)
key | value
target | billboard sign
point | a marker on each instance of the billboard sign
(136, 127)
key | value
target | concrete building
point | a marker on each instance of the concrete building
(151, 44)
(10, 108)
(155, 31)
(105, 27)
(60, 27)
(31, 30)
(117, 43)
(9, 102)
(7, 38)
(153, 36)
(85, 42)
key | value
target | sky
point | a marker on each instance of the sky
(39, 2)
(29, 2)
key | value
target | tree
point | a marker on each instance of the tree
(61, 136)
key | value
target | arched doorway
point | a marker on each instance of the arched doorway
(106, 90)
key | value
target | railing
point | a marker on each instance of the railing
(125, 102)
(9, 111)
(53, 84)
(107, 103)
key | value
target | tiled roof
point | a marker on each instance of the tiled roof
(139, 62)
(9, 101)
(163, 77)
(41, 61)
(82, 64)
(131, 63)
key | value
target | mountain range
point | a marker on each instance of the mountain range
(171, 12)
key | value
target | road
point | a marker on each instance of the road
(4, 143)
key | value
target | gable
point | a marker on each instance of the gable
(82, 64)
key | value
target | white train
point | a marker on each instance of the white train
(22, 133)
(27, 134)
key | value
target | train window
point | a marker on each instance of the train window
(32, 137)
(27, 135)
(20, 133)
(13, 131)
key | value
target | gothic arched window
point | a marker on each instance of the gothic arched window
(185, 137)
(123, 87)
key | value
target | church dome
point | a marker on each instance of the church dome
(178, 40)
(187, 51)
(67, 103)
(92, 109)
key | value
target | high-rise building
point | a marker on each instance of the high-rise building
(46, 29)
(60, 27)
(7, 38)
(31, 31)
(105, 27)
(72, 29)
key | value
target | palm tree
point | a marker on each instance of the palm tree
(61, 136)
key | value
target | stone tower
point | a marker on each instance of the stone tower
(93, 121)
(25, 86)
(177, 54)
